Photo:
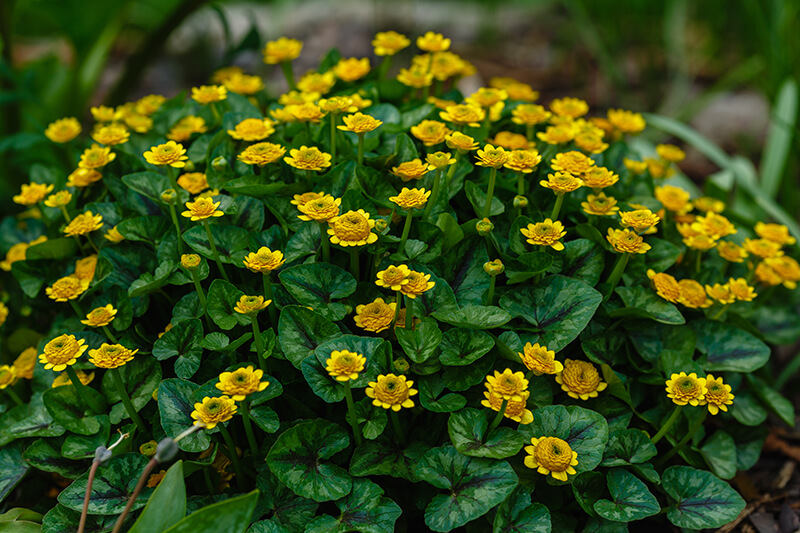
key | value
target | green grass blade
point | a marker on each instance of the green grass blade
(683, 131)
(779, 138)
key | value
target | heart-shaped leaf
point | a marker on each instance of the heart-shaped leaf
(631, 500)
(701, 499)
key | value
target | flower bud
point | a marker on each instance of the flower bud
(189, 167)
(219, 163)
(494, 268)
(520, 201)
(381, 224)
(169, 196)
(190, 261)
(166, 451)
(402, 365)
(484, 227)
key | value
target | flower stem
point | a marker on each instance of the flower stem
(616, 274)
(65, 213)
(719, 313)
(89, 238)
(110, 335)
(498, 417)
(214, 251)
(490, 193)
(409, 314)
(452, 170)
(286, 67)
(490, 294)
(396, 426)
(273, 312)
(384, 68)
(77, 308)
(668, 424)
(333, 138)
(557, 207)
(201, 296)
(248, 428)
(360, 160)
(529, 132)
(351, 413)
(13, 395)
(126, 400)
(326, 245)
(80, 388)
(406, 231)
(354, 264)
(262, 362)
(521, 184)
(434, 194)
(234, 457)
(397, 302)
(177, 224)
(173, 181)
(207, 478)
(688, 437)
(698, 264)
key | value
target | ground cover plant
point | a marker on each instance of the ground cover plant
(376, 304)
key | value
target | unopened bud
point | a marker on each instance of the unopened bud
(219, 163)
(188, 166)
(520, 201)
(169, 196)
(494, 268)
(190, 261)
(484, 227)
(381, 224)
(402, 365)
(166, 451)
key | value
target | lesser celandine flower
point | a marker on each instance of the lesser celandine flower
(665, 285)
(714, 225)
(63, 379)
(391, 392)
(244, 84)
(626, 241)
(777, 233)
(83, 177)
(561, 183)
(572, 162)
(306, 112)
(433, 42)
(547, 233)
(763, 248)
(786, 268)
(321, 209)
(206, 94)
(213, 411)
(416, 284)
(461, 142)
(430, 132)
(264, 260)
(721, 293)
(8, 375)
(85, 267)
(410, 170)
(32, 193)
(96, 156)
(103, 113)
(560, 134)
(59, 199)
(683, 389)
(569, 107)
(597, 178)
(415, 78)
(439, 160)
(551, 456)
(741, 290)
(111, 356)
(516, 410)
(351, 69)
(394, 277)
(673, 198)
(529, 115)
(375, 316)
(186, 127)
(463, 115)
(344, 365)
(114, 236)
(283, 49)
(718, 395)
(83, 224)
(170, 153)
(317, 82)
(670, 152)
(62, 351)
(580, 380)
(411, 198)
(507, 385)
(510, 140)
(539, 360)
(600, 205)
(524, 161)
(640, 219)
(261, 154)
(66, 288)
(492, 157)
(732, 252)
(250, 305)
(26, 362)
(193, 182)
(626, 121)
(111, 135)
(202, 209)
(388, 43)
(63, 130)
(242, 382)
(252, 129)
(353, 228)
(308, 158)
(693, 295)
(100, 316)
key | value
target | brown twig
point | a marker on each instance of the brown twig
(87, 497)
(139, 486)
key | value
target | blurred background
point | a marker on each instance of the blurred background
(726, 67)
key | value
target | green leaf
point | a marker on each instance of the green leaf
(421, 342)
(518, 515)
(54, 520)
(382, 457)
(147, 282)
(222, 298)
(702, 500)
(467, 429)
(182, 341)
(317, 285)
(255, 186)
(747, 410)
(474, 316)
(68, 409)
(463, 269)
(674, 346)
(779, 138)
(777, 403)
(296, 460)
(461, 378)
(719, 451)
(727, 348)
(12, 468)
(588, 489)
(628, 446)
(585, 431)
(371, 419)
(167, 505)
(474, 485)
(150, 184)
(28, 420)
(644, 303)
(583, 260)
(631, 498)
(141, 377)
(149, 229)
(462, 346)
(265, 418)
(231, 242)
(477, 197)
(231, 516)
(301, 330)
(526, 266)
(175, 405)
(430, 387)
(42, 455)
(365, 509)
(84, 446)
(54, 249)
(559, 308)
(113, 486)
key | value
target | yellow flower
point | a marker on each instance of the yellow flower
(774, 232)
(522, 92)
(685, 389)
(183, 130)
(573, 162)
(508, 385)
(635, 167)
(415, 77)
(111, 356)
(376, 316)
(599, 178)
(264, 260)
(306, 112)
(353, 228)
(529, 115)
(283, 49)
(8, 375)
(516, 410)
(111, 135)
(539, 360)
(103, 113)
(261, 154)
(3, 313)
(83, 177)
(713, 225)
(626, 121)
(147, 105)
(721, 293)
(149, 448)
(693, 295)
(439, 160)
(345, 365)
(785, 267)
(315, 82)
(16, 253)
(242, 382)
(302, 199)
(590, 142)
(665, 285)
(351, 69)
(67, 288)
(707, 204)
(673, 198)
(114, 236)
(190, 261)
(561, 183)
(251, 305)
(393, 277)
(308, 158)
(25, 363)
(700, 242)
(523, 160)
(741, 290)
(551, 456)
(320, 209)
(32, 193)
(96, 156)
(244, 84)
(547, 233)
(494, 268)
(170, 153)
(84, 268)
(580, 380)
(155, 479)
(510, 140)
(640, 219)
(100, 316)
(431, 132)
(765, 274)
(59, 199)
(83, 224)
(459, 141)
(359, 123)
(718, 395)
(337, 104)
(205, 94)
(463, 114)
(193, 182)
(252, 129)
(433, 42)
(388, 43)
(626, 241)
(202, 209)
(492, 157)
(569, 107)
(731, 251)
(63, 130)
(417, 283)
(411, 198)
(763, 248)
(391, 392)
(225, 73)
(600, 205)
(671, 153)
(410, 170)
(62, 351)
(213, 411)
(487, 97)
(166, 329)
(63, 379)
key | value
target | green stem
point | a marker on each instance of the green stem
(397, 302)
(309, 179)
(409, 314)
(452, 170)
(207, 478)
(557, 207)
(529, 132)
(89, 238)
(248, 428)
(13, 395)
(77, 309)
(262, 363)
(406, 231)
(82, 393)
(214, 251)
(65, 213)
(215, 114)
(177, 224)
(396, 426)
(273, 311)
(787, 373)
(521, 184)
(490, 294)
(668, 424)
(234, 457)
(616, 274)
(351, 413)
(126, 400)
(719, 313)
(384, 68)
(326, 245)
(354, 264)
(698, 264)
(286, 67)
(333, 138)
(490, 193)
(688, 437)
(110, 335)
(201, 295)
(360, 160)
(434, 194)
(498, 417)
(173, 181)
